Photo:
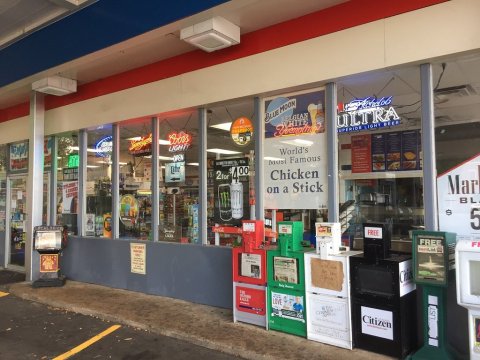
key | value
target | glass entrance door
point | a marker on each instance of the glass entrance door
(17, 206)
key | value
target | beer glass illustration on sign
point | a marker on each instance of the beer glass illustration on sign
(224, 199)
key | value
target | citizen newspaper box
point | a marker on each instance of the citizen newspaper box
(467, 257)
(49, 242)
(327, 282)
(433, 263)
(383, 297)
(249, 279)
(286, 281)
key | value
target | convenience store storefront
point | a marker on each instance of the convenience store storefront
(376, 161)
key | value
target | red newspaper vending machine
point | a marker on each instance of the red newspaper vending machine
(249, 275)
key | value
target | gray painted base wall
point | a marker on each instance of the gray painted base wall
(195, 273)
(2, 249)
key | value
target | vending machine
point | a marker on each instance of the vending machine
(467, 258)
(433, 263)
(327, 285)
(286, 281)
(249, 275)
(383, 296)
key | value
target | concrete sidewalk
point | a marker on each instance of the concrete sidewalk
(202, 325)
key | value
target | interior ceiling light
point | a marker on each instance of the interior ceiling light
(55, 85)
(223, 126)
(213, 34)
(223, 151)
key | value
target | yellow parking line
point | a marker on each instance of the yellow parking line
(2, 294)
(87, 343)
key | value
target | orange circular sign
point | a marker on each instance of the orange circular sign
(242, 131)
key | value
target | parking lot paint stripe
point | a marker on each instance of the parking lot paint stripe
(87, 343)
(2, 294)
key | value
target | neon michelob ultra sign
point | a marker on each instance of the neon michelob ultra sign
(367, 113)
(103, 147)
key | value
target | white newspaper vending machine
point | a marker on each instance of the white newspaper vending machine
(467, 258)
(327, 285)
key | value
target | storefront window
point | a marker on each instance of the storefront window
(230, 153)
(457, 135)
(99, 181)
(67, 180)
(135, 208)
(3, 186)
(179, 181)
(295, 159)
(380, 154)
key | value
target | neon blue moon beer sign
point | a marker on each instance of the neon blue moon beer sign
(103, 147)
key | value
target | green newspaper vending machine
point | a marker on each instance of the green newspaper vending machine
(433, 258)
(286, 280)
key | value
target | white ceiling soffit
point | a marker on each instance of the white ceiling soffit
(19, 18)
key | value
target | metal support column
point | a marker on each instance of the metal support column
(115, 180)
(34, 181)
(259, 127)
(202, 164)
(332, 152)
(53, 182)
(82, 181)
(154, 186)
(428, 145)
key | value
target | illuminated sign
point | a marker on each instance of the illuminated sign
(73, 160)
(367, 113)
(142, 146)
(103, 147)
(179, 141)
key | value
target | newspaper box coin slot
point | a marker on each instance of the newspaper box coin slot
(49, 241)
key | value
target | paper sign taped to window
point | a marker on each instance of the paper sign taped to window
(327, 274)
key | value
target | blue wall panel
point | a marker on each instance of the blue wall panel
(200, 274)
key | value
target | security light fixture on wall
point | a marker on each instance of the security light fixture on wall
(55, 85)
(213, 34)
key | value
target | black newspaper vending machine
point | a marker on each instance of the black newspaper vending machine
(49, 241)
(383, 296)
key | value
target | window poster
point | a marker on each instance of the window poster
(361, 153)
(285, 270)
(409, 158)
(288, 306)
(458, 193)
(251, 265)
(295, 151)
(476, 334)
(70, 197)
(231, 184)
(394, 149)
(18, 156)
(378, 152)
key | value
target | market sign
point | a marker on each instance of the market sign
(366, 113)
(141, 147)
(295, 114)
(241, 131)
(458, 192)
(179, 141)
(103, 147)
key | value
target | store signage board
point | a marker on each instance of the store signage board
(241, 131)
(175, 172)
(138, 258)
(458, 192)
(103, 147)
(47, 151)
(367, 114)
(231, 191)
